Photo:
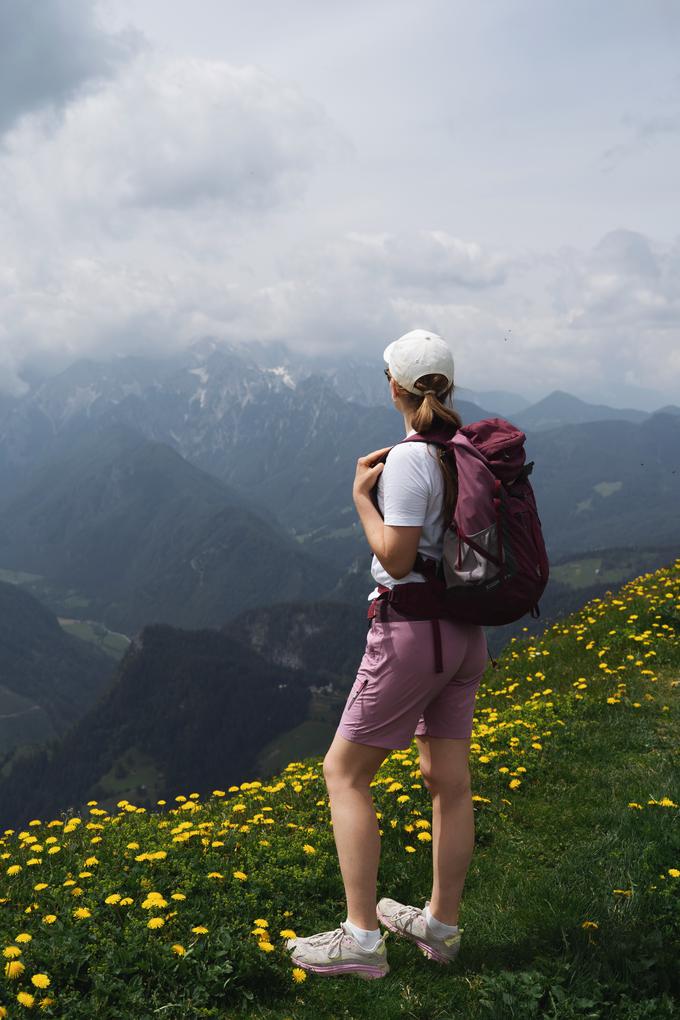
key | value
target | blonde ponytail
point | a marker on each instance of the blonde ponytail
(433, 410)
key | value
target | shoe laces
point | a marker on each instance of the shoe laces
(407, 915)
(331, 939)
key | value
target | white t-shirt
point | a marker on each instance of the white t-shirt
(410, 492)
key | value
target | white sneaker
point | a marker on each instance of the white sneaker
(410, 923)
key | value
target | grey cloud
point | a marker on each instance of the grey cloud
(626, 252)
(625, 281)
(50, 49)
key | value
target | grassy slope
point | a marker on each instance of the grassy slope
(585, 720)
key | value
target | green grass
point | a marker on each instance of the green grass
(572, 903)
(611, 566)
(130, 771)
(543, 867)
(113, 644)
(607, 488)
(18, 576)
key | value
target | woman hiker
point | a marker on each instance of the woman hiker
(399, 692)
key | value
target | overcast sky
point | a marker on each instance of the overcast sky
(334, 174)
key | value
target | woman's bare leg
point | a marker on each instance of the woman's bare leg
(348, 769)
(445, 769)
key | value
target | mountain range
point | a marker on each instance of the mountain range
(188, 489)
(143, 535)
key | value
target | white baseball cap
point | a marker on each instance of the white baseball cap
(416, 354)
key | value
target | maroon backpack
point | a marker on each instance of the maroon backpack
(494, 567)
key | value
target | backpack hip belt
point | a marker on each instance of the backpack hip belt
(415, 600)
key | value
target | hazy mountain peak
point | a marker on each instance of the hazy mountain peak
(560, 408)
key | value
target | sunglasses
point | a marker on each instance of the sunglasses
(387, 372)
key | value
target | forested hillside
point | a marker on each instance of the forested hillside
(48, 679)
(184, 706)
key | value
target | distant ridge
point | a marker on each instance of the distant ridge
(561, 408)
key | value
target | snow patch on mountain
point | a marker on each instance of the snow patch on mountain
(283, 374)
(80, 399)
(202, 373)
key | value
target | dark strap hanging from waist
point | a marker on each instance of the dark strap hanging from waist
(437, 638)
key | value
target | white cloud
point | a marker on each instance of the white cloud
(124, 223)
(181, 189)
(167, 134)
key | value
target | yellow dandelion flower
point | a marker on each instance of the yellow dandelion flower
(81, 912)
(260, 932)
(23, 937)
(40, 980)
(240, 875)
(3, 1013)
(298, 975)
(634, 805)
(667, 802)
(113, 898)
(178, 896)
(590, 924)
(674, 872)
(11, 952)
(266, 947)
(200, 930)
(410, 849)
(514, 783)
(155, 922)
(178, 949)
(154, 900)
(424, 837)
(14, 969)
(14, 869)
(26, 999)
(49, 918)
(287, 933)
(308, 849)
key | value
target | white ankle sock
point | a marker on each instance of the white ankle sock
(437, 927)
(366, 939)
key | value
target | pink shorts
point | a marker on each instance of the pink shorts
(397, 692)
